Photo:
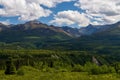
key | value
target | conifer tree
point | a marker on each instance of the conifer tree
(10, 67)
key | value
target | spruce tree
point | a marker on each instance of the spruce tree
(10, 67)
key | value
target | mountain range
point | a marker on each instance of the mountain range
(102, 39)
(50, 37)
(72, 32)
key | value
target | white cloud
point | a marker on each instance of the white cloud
(7, 22)
(49, 3)
(28, 9)
(96, 11)
(70, 18)
(102, 11)
(34, 11)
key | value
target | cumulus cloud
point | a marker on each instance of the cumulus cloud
(96, 12)
(28, 9)
(101, 11)
(49, 3)
(70, 17)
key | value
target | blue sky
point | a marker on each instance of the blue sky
(74, 13)
(60, 7)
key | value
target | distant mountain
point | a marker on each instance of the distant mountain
(32, 31)
(51, 37)
(93, 29)
(44, 29)
(90, 29)
(113, 29)
(72, 31)
(104, 40)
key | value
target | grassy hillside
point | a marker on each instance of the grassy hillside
(34, 74)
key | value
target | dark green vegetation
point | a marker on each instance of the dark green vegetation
(10, 67)
(49, 50)
(60, 65)
(58, 60)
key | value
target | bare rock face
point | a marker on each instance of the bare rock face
(95, 61)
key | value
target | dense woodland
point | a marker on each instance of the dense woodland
(73, 61)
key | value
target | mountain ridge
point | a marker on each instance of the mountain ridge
(38, 29)
(72, 32)
(43, 36)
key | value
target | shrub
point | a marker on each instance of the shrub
(63, 70)
(77, 68)
(102, 70)
(108, 69)
(95, 70)
(117, 67)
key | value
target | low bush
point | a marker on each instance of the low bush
(102, 70)
(77, 68)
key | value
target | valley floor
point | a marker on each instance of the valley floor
(37, 75)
